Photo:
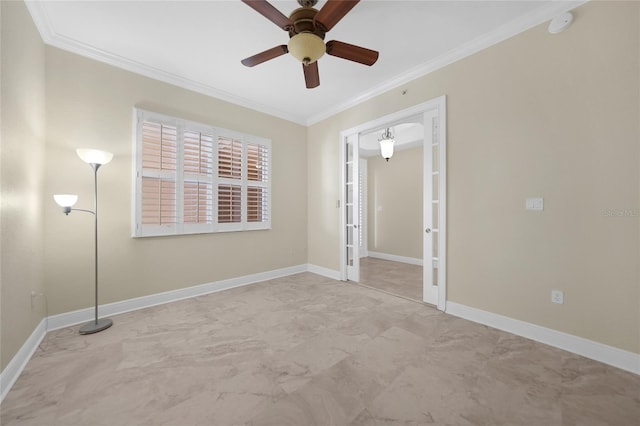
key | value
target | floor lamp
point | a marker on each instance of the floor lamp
(95, 159)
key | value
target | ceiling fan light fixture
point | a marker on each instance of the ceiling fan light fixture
(306, 47)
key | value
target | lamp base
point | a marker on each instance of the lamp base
(94, 327)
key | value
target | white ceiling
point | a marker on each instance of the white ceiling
(199, 44)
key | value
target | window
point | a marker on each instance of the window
(192, 178)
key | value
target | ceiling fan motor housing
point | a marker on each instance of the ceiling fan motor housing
(303, 22)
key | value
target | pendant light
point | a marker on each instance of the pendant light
(386, 144)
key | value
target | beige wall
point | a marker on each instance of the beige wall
(536, 115)
(323, 189)
(394, 198)
(22, 178)
(90, 104)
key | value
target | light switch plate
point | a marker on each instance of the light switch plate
(535, 204)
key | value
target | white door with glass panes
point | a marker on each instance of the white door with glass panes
(431, 208)
(362, 208)
(352, 208)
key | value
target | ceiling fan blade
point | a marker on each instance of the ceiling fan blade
(267, 10)
(268, 54)
(311, 75)
(333, 11)
(352, 52)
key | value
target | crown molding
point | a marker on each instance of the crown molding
(532, 19)
(52, 38)
(512, 28)
(40, 19)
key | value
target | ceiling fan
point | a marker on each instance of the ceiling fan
(307, 28)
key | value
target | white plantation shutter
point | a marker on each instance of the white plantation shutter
(229, 203)
(229, 158)
(158, 201)
(193, 178)
(198, 178)
(198, 202)
(230, 181)
(257, 183)
(158, 176)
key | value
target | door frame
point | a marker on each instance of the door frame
(438, 104)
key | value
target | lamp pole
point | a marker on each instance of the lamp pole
(98, 324)
(95, 229)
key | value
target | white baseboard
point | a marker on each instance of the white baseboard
(610, 355)
(10, 374)
(12, 371)
(396, 258)
(325, 272)
(76, 317)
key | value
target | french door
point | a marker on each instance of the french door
(433, 116)
(430, 208)
(352, 207)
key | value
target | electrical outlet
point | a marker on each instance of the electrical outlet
(557, 296)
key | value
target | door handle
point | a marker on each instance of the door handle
(428, 230)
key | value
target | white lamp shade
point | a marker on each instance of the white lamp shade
(65, 200)
(306, 46)
(386, 148)
(94, 156)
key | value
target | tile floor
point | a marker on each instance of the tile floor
(307, 350)
(397, 278)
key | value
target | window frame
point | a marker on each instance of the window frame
(140, 230)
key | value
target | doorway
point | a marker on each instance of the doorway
(429, 118)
